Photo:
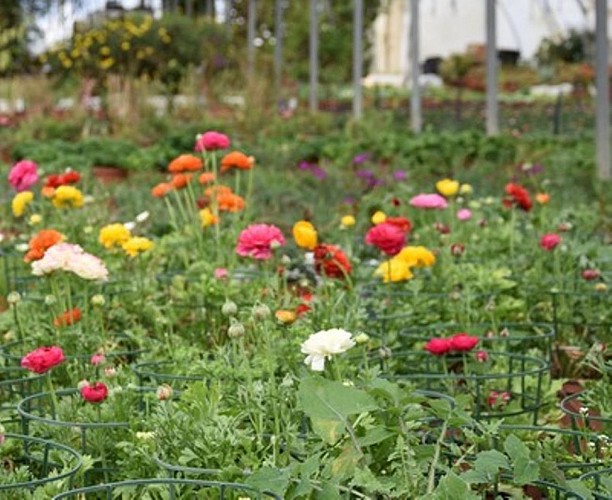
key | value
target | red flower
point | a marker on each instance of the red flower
(401, 222)
(302, 309)
(590, 274)
(67, 318)
(438, 346)
(518, 196)
(43, 359)
(462, 342)
(457, 249)
(57, 180)
(331, 261)
(482, 356)
(493, 397)
(549, 241)
(387, 237)
(94, 393)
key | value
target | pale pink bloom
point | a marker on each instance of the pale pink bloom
(221, 273)
(550, 241)
(211, 141)
(23, 175)
(464, 214)
(98, 359)
(433, 200)
(258, 241)
(89, 267)
(70, 258)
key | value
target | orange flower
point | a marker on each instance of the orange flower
(185, 162)
(230, 202)
(285, 316)
(206, 178)
(40, 243)
(48, 191)
(162, 189)
(67, 318)
(236, 159)
(542, 198)
(179, 181)
(219, 190)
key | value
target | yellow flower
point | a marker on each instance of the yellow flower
(35, 219)
(394, 270)
(285, 316)
(125, 46)
(347, 221)
(105, 51)
(114, 235)
(136, 245)
(378, 218)
(67, 197)
(466, 189)
(106, 63)
(542, 198)
(305, 235)
(417, 256)
(207, 218)
(447, 187)
(20, 202)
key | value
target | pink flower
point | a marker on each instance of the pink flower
(211, 141)
(463, 342)
(590, 274)
(23, 175)
(70, 258)
(388, 238)
(438, 346)
(258, 241)
(94, 393)
(98, 359)
(221, 273)
(429, 201)
(41, 360)
(464, 214)
(482, 356)
(549, 241)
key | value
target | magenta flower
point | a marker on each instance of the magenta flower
(433, 200)
(258, 241)
(221, 273)
(211, 141)
(464, 214)
(23, 175)
(549, 241)
(387, 237)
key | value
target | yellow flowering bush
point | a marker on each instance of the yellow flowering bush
(305, 235)
(114, 235)
(137, 245)
(67, 197)
(20, 202)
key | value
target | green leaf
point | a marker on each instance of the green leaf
(329, 431)
(515, 448)
(476, 477)
(576, 486)
(387, 389)
(525, 470)
(270, 479)
(490, 462)
(344, 465)
(328, 492)
(324, 399)
(452, 487)
(375, 435)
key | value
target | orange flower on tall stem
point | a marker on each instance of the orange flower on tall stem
(162, 189)
(180, 181)
(67, 318)
(238, 160)
(40, 243)
(206, 178)
(185, 163)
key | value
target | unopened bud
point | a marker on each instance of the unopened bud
(229, 308)
(13, 298)
(261, 311)
(164, 392)
(98, 300)
(236, 330)
(362, 338)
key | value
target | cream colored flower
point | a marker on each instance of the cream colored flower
(325, 344)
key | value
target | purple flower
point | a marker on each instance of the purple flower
(400, 175)
(318, 172)
(361, 158)
(304, 165)
(365, 173)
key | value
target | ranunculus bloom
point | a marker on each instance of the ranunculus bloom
(258, 241)
(23, 175)
(542, 198)
(347, 221)
(114, 235)
(482, 356)
(447, 187)
(305, 235)
(388, 238)
(70, 258)
(238, 160)
(518, 195)
(464, 214)
(433, 200)
(94, 393)
(43, 359)
(67, 318)
(67, 197)
(590, 274)
(438, 346)
(417, 256)
(394, 270)
(40, 243)
(57, 180)
(20, 202)
(462, 342)
(378, 217)
(184, 163)
(324, 344)
(211, 141)
(401, 222)
(221, 273)
(162, 189)
(331, 261)
(549, 241)
(97, 359)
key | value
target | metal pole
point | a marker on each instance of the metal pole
(416, 120)
(251, 19)
(492, 111)
(228, 12)
(313, 102)
(602, 113)
(357, 58)
(279, 33)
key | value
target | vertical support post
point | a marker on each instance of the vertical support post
(415, 69)
(491, 31)
(313, 101)
(357, 58)
(602, 84)
(228, 12)
(279, 34)
(251, 21)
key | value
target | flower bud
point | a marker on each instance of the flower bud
(261, 311)
(13, 298)
(98, 300)
(482, 356)
(50, 300)
(110, 371)
(164, 392)
(457, 249)
(384, 352)
(362, 338)
(590, 274)
(236, 330)
(229, 308)
(504, 332)
(82, 383)
(97, 359)
(601, 287)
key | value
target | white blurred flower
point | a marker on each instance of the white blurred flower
(129, 226)
(22, 247)
(71, 258)
(309, 259)
(325, 344)
(142, 216)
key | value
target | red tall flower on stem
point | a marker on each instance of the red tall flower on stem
(43, 359)
(331, 261)
(94, 393)
(517, 195)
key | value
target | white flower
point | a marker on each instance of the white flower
(324, 344)
(70, 258)
(129, 226)
(142, 216)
